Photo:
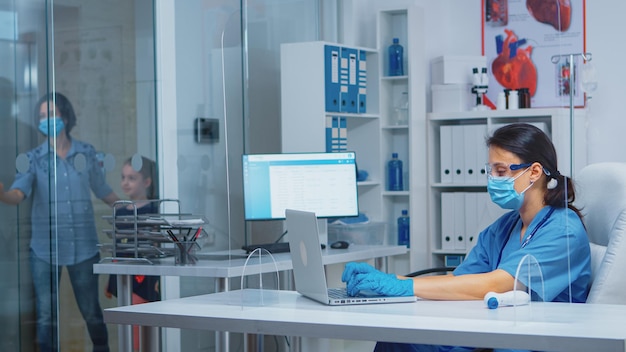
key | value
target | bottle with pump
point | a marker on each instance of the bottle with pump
(396, 58)
(394, 173)
(404, 225)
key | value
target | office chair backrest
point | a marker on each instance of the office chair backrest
(601, 196)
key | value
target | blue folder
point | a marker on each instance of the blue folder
(331, 72)
(362, 89)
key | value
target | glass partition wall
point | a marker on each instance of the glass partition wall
(93, 64)
(228, 69)
(107, 60)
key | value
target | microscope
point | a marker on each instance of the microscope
(480, 81)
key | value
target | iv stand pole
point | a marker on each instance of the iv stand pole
(555, 60)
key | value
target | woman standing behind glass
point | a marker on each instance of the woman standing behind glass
(60, 175)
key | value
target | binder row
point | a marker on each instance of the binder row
(345, 79)
(463, 152)
(463, 216)
(336, 134)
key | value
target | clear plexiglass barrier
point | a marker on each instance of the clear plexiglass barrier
(260, 295)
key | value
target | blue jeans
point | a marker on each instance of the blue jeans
(46, 279)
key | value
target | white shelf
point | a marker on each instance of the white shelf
(451, 185)
(396, 127)
(449, 251)
(352, 116)
(491, 114)
(396, 193)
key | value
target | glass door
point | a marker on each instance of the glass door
(78, 112)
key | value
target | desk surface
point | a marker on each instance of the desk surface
(236, 265)
(539, 326)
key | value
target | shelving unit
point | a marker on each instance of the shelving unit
(409, 140)
(557, 124)
(303, 115)
(372, 135)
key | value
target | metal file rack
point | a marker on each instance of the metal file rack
(141, 237)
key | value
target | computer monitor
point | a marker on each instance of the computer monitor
(324, 183)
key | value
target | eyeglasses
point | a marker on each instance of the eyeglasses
(500, 169)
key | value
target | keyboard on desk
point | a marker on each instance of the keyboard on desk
(279, 247)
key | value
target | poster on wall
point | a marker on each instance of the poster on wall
(529, 44)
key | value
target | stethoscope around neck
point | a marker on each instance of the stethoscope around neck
(528, 238)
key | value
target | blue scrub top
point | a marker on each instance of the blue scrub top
(499, 247)
(63, 224)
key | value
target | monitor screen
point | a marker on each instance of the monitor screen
(324, 183)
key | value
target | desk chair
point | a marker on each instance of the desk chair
(601, 196)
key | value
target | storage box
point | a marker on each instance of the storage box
(369, 233)
(450, 69)
(452, 97)
(452, 260)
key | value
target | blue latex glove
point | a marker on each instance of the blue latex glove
(381, 283)
(353, 268)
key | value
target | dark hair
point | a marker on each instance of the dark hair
(147, 170)
(531, 144)
(65, 108)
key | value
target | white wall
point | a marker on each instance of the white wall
(455, 30)
(606, 122)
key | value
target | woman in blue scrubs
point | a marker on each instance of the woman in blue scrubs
(523, 177)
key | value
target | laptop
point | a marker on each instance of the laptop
(308, 269)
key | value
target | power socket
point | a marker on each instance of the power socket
(206, 130)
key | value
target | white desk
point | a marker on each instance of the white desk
(223, 271)
(540, 326)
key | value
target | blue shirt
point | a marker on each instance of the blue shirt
(63, 224)
(499, 247)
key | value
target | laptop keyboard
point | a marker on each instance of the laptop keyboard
(337, 292)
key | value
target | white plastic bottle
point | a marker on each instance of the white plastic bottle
(513, 100)
(511, 298)
(501, 101)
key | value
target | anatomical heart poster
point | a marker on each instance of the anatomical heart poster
(530, 43)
